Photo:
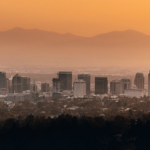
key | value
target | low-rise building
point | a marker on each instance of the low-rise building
(4, 91)
(2, 98)
(19, 96)
(134, 92)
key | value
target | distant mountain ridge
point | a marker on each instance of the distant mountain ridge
(21, 36)
(18, 29)
(50, 47)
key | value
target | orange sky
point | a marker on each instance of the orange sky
(80, 17)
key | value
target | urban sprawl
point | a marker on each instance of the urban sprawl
(18, 93)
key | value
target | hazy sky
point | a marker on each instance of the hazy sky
(80, 17)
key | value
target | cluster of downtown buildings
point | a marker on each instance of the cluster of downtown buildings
(81, 87)
(20, 88)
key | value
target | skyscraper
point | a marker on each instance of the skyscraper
(79, 88)
(17, 84)
(126, 84)
(101, 85)
(115, 87)
(149, 84)
(87, 78)
(65, 80)
(56, 85)
(139, 80)
(44, 87)
(2, 80)
(26, 83)
(33, 86)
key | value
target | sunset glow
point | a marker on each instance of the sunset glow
(80, 17)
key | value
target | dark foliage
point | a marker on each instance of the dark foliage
(71, 133)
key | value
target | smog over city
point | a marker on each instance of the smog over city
(75, 74)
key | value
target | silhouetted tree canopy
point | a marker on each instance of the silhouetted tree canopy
(75, 133)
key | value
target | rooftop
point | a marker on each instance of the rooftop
(80, 81)
(64, 72)
(17, 75)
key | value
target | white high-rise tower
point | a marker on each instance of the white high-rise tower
(79, 88)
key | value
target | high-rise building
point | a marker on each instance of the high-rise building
(116, 87)
(101, 85)
(87, 79)
(33, 86)
(2, 80)
(9, 84)
(79, 88)
(44, 87)
(149, 84)
(17, 84)
(65, 80)
(126, 84)
(26, 83)
(56, 85)
(139, 80)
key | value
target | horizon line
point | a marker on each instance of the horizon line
(72, 33)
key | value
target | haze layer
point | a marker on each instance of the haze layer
(36, 47)
(80, 17)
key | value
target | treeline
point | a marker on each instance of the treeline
(127, 107)
(75, 133)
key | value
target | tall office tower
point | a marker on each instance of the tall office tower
(65, 80)
(44, 87)
(149, 84)
(87, 79)
(139, 80)
(17, 84)
(101, 85)
(56, 85)
(115, 87)
(126, 84)
(33, 86)
(79, 88)
(26, 83)
(2, 80)
(8, 84)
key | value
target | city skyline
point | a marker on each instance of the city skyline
(75, 74)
